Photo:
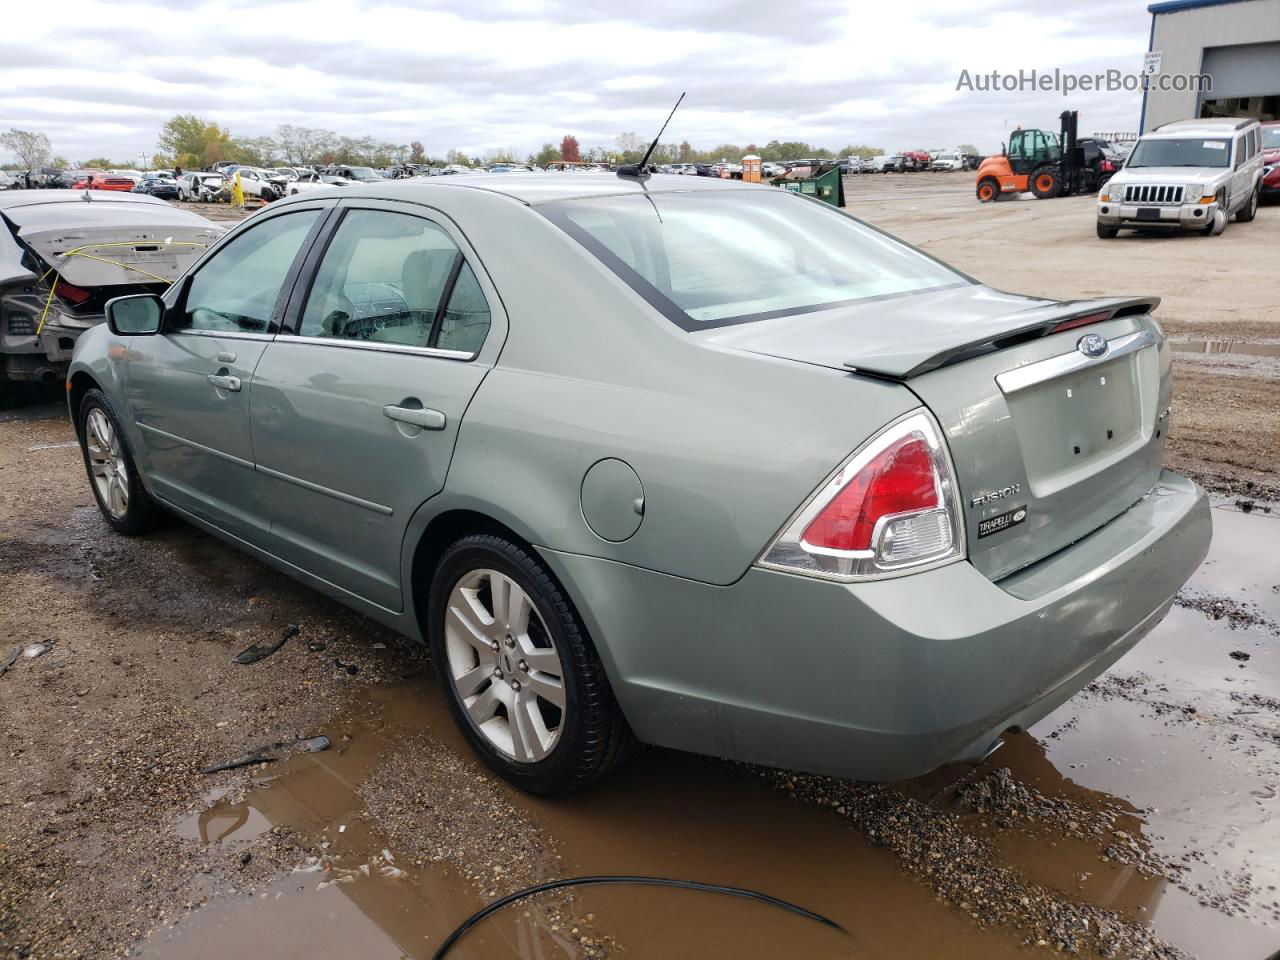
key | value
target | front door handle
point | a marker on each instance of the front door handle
(423, 417)
(228, 383)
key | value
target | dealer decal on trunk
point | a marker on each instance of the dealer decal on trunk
(1002, 521)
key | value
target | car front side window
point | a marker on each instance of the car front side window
(386, 278)
(236, 291)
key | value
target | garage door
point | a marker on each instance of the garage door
(1246, 81)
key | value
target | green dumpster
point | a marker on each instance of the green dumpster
(825, 183)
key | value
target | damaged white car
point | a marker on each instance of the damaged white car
(64, 254)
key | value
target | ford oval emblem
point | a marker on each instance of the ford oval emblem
(1092, 345)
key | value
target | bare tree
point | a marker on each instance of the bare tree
(32, 149)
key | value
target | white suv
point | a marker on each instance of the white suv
(1186, 175)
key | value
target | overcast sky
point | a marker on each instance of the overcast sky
(101, 78)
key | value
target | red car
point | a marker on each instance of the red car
(103, 181)
(1271, 159)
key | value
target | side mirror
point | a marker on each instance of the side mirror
(138, 315)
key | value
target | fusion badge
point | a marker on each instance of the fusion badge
(1003, 521)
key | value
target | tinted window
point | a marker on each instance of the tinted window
(237, 289)
(710, 259)
(1189, 152)
(381, 279)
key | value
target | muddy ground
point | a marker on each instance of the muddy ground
(1139, 820)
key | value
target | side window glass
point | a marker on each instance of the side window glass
(236, 290)
(381, 280)
(466, 317)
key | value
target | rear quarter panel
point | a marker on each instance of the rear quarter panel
(727, 445)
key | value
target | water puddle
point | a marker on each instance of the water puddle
(1176, 752)
(1226, 346)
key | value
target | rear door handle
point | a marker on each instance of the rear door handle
(423, 417)
(228, 383)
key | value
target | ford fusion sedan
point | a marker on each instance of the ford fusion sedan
(698, 463)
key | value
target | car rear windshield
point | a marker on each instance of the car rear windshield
(1188, 152)
(711, 259)
(1271, 137)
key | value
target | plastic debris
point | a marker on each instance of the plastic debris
(33, 650)
(260, 651)
(10, 660)
(272, 752)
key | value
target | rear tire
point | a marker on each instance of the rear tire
(1108, 233)
(113, 476)
(542, 733)
(1045, 184)
(1250, 210)
(988, 190)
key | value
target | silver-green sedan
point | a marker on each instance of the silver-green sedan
(697, 463)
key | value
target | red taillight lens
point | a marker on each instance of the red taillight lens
(70, 293)
(898, 480)
(893, 506)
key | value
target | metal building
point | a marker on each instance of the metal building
(1235, 42)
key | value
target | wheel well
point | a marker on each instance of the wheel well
(441, 533)
(81, 383)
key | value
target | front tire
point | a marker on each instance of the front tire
(113, 476)
(1045, 184)
(1107, 233)
(988, 190)
(519, 673)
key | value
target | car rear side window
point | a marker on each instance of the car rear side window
(707, 260)
(236, 291)
(397, 279)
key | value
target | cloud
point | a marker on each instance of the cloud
(103, 78)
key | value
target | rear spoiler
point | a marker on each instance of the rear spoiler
(1008, 332)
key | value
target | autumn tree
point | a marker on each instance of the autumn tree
(192, 142)
(685, 153)
(569, 150)
(31, 149)
(416, 152)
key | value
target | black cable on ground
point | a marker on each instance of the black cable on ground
(497, 905)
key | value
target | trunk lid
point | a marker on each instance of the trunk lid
(1048, 443)
(119, 242)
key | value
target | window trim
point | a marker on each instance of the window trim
(310, 270)
(183, 286)
(554, 212)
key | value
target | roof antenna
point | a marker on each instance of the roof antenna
(640, 170)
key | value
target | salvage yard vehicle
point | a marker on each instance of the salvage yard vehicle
(1187, 175)
(163, 186)
(265, 184)
(947, 161)
(62, 257)
(202, 187)
(1271, 159)
(106, 181)
(313, 181)
(694, 461)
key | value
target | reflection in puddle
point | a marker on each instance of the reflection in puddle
(1226, 346)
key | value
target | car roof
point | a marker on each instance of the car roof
(1208, 127)
(537, 188)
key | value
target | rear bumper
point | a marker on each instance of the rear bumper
(1187, 216)
(884, 680)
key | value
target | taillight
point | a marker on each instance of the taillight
(892, 507)
(71, 293)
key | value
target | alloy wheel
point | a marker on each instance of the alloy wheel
(107, 463)
(504, 665)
